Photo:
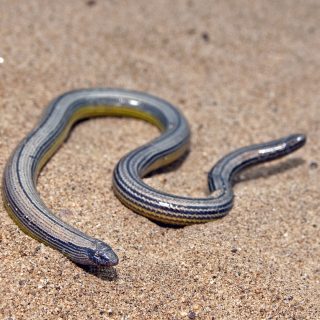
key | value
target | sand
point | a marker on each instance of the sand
(242, 72)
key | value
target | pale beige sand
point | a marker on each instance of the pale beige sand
(242, 72)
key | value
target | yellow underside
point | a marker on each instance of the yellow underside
(96, 111)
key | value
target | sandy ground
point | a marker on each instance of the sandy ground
(242, 72)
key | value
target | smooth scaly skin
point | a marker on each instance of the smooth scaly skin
(31, 214)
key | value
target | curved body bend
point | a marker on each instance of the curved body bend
(31, 214)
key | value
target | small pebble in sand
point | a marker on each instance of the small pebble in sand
(234, 250)
(191, 315)
(205, 36)
(313, 165)
(288, 298)
(91, 3)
